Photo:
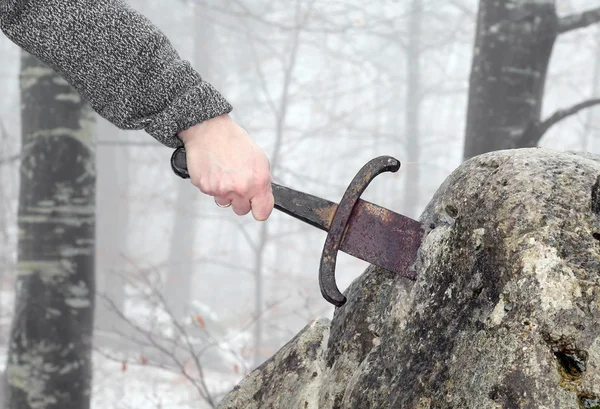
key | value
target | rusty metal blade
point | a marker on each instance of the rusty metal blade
(384, 238)
(374, 234)
(316, 211)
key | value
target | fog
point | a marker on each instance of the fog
(190, 296)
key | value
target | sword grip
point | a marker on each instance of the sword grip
(179, 166)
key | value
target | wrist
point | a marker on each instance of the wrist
(210, 126)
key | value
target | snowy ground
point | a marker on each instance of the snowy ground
(142, 387)
(138, 385)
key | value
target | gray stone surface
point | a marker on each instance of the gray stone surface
(505, 312)
(291, 379)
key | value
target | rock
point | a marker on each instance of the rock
(291, 379)
(362, 321)
(505, 312)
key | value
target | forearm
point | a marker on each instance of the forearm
(117, 60)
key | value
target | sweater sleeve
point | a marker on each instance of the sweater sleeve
(122, 64)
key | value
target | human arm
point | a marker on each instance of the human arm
(129, 72)
(122, 64)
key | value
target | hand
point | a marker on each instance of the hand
(224, 162)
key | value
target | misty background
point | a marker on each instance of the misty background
(192, 297)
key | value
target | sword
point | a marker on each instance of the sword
(359, 228)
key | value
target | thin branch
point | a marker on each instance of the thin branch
(578, 20)
(535, 131)
(564, 113)
(262, 79)
(321, 25)
(201, 387)
(210, 399)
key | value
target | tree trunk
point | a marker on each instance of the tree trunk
(513, 44)
(49, 357)
(413, 108)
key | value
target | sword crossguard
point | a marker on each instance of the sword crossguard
(335, 236)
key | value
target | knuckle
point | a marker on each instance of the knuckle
(263, 179)
(206, 186)
(196, 181)
(200, 184)
(241, 187)
(221, 189)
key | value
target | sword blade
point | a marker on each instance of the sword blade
(314, 210)
(384, 238)
(374, 234)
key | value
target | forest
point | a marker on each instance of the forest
(149, 295)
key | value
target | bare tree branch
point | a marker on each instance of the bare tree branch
(172, 351)
(190, 347)
(535, 131)
(198, 384)
(564, 113)
(578, 20)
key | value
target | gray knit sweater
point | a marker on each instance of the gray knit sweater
(117, 60)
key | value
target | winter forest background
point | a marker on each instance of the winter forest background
(191, 297)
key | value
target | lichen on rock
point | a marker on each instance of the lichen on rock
(505, 311)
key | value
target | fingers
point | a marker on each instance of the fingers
(253, 195)
(231, 168)
(262, 204)
(223, 201)
(240, 205)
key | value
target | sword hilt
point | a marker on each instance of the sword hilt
(179, 164)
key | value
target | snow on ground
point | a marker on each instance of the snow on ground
(201, 327)
(143, 387)
(140, 386)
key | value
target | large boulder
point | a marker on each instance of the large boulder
(505, 312)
